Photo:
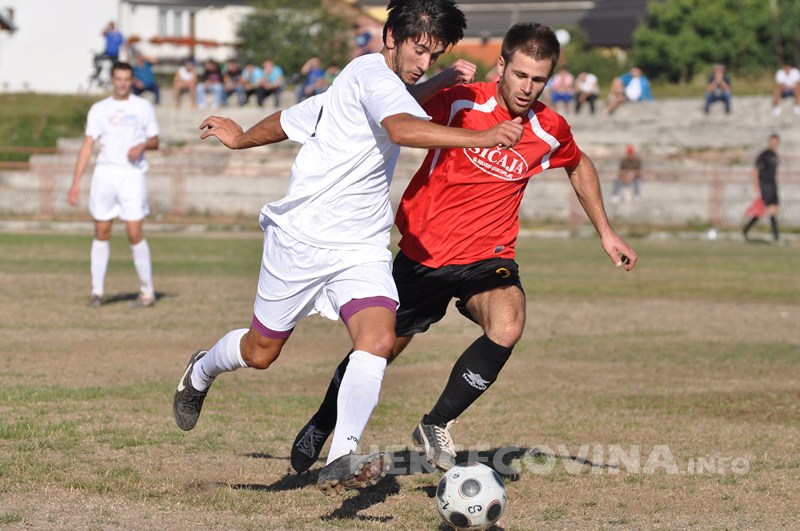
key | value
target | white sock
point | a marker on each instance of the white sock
(358, 396)
(225, 356)
(141, 261)
(101, 250)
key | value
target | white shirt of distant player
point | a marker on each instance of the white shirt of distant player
(787, 79)
(338, 197)
(119, 125)
(588, 84)
(633, 91)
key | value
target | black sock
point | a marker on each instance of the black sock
(749, 225)
(325, 417)
(773, 221)
(473, 373)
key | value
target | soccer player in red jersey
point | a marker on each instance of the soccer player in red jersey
(459, 220)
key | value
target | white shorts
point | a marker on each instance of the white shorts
(298, 280)
(118, 193)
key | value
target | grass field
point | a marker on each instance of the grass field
(664, 398)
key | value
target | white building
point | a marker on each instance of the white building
(52, 43)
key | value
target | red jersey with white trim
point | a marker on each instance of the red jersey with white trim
(463, 204)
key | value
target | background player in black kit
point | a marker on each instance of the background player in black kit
(766, 185)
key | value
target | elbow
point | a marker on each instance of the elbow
(399, 137)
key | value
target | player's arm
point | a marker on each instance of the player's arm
(754, 176)
(84, 153)
(587, 187)
(461, 71)
(409, 131)
(267, 131)
(135, 153)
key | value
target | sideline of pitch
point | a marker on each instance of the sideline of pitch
(83, 227)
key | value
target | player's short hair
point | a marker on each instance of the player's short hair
(439, 20)
(121, 65)
(535, 40)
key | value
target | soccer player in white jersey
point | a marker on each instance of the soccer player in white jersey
(126, 126)
(459, 220)
(326, 242)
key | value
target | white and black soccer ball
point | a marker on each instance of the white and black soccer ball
(471, 496)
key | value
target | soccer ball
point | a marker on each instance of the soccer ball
(471, 496)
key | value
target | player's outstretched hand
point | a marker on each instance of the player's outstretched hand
(505, 134)
(619, 251)
(225, 129)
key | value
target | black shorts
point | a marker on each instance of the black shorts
(769, 193)
(425, 292)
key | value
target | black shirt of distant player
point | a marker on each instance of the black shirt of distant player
(767, 164)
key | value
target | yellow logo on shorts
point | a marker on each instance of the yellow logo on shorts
(503, 272)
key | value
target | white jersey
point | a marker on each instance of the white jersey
(787, 79)
(120, 125)
(338, 197)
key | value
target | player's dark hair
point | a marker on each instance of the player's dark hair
(121, 65)
(439, 20)
(534, 40)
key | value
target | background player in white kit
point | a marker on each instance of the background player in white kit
(326, 242)
(126, 126)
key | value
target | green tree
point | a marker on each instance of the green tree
(683, 37)
(291, 31)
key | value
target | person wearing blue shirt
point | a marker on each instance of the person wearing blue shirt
(144, 79)
(631, 86)
(314, 82)
(272, 84)
(114, 42)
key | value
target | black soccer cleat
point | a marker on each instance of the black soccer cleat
(308, 445)
(353, 471)
(188, 401)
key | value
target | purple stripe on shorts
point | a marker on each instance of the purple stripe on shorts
(268, 333)
(356, 305)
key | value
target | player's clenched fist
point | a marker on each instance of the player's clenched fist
(462, 71)
(505, 134)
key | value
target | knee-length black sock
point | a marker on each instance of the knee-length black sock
(473, 373)
(749, 225)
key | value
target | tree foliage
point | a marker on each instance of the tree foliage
(291, 31)
(683, 37)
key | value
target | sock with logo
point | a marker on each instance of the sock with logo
(225, 356)
(473, 373)
(325, 417)
(101, 250)
(358, 396)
